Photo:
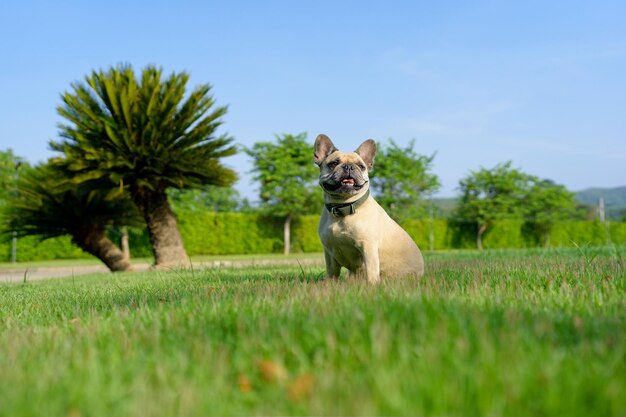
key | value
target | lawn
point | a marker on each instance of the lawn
(514, 333)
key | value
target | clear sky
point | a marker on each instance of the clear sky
(541, 83)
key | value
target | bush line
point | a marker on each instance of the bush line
(242, 233)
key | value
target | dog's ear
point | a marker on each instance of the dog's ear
(367, 151)
(323, 147)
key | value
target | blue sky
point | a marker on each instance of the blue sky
(541, 83)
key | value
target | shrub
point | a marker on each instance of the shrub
(248, 233)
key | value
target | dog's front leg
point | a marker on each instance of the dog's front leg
(372, 263)
(333, 269)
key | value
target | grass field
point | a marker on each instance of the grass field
(513, 333)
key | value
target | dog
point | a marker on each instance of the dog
(356, 232)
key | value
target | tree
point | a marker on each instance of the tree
(48, 205)
(545, 204)
(488, 195)
(288, 178)
(209, 198)
(10, 165)
(401, 178)
(145, 136)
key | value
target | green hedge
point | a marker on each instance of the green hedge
(235, 233)
(238, 233)
(31, 248)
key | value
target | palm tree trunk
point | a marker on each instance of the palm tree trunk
(167, 243)
(287, 234)
(93, 240)
(479, 236)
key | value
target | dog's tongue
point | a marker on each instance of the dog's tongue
(348, 181)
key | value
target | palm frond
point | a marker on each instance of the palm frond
(145, 131)
(49, 204)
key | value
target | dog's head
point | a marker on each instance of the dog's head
(343, 174)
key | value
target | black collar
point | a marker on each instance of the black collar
(346, 209)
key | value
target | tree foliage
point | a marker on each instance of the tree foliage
(143, 132)
(48, 204)
(209, 198)
(287, 177)
(547, 203)
(146, 135)
(10, 167)
(493, 194)
(504, 193)
(401, 179)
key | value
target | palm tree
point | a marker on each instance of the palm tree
(145, 136)
(48, 205)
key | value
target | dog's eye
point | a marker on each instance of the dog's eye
(333, 164)
(362, 167)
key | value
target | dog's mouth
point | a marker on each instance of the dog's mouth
(343, 186)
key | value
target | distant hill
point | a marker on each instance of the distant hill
(614, 200)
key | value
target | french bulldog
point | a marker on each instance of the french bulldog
(356, 232)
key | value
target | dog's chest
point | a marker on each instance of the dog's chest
(341, 231)
(343, 239)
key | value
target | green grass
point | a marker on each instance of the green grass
(515, 333)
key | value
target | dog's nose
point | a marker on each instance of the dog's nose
(348, 167)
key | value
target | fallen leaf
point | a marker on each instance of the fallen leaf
(301, 387)
(244, 383)
(272, 371)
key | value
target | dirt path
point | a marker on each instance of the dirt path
(19, 274)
